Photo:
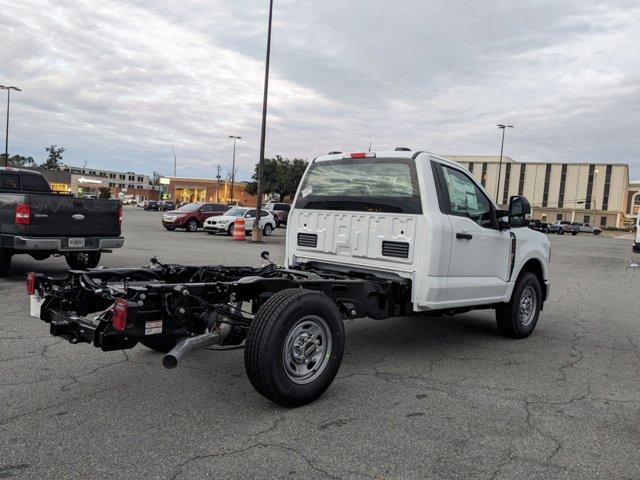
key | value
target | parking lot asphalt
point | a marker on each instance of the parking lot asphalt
(416, 397)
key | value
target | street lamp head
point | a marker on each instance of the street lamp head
(234, 136)
(10, 87)
(502, 126)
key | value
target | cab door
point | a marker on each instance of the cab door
(480, 252)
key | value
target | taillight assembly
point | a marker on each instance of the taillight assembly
(120, 215)
(120, 308)
(31, 283)
(23, 214)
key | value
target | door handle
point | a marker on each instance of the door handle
(464, 236)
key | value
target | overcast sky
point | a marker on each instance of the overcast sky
(115, 82)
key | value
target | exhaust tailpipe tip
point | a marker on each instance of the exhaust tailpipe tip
(169, 361)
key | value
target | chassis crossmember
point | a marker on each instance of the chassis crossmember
(177, 308)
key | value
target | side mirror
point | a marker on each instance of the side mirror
(519, 208)
(503, 219)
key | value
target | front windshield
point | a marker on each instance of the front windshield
(189, 207)
(235, 212)
(378, 185)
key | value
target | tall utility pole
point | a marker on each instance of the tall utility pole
(218, 185)
(256, 233)
(594, 196)
(6, 134)
(503, 128)
(175, 160)
(233, 163)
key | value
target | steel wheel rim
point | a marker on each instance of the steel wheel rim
(193, 226)
(527, 306)
(267, 230)
(307, 349)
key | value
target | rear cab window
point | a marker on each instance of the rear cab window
(9, 180)
(367, 185)
(35, 182)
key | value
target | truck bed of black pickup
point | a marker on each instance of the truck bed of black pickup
(36, 221)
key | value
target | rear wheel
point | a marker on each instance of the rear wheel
(294, 347)
(83, 260)
(596, 232)
(159, 343)
(5, 262)
(267, 230)
(192, 225)
(519, 317)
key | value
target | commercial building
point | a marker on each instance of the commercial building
(89, 181)
(188, 189)
(581, 192)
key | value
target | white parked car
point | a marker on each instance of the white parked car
(225, 222)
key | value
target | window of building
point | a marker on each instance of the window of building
(543, 218)
(586, 219)
(122, 177)
(505, 190)
(140, 179)
(563, 180)
(607, 186)
(131, 178)
(559, 216)
(587, 202)
(483, 178)
(111, 184)
(603, 221)
(470, 167)
(121, 185)
(130, 186)
(547, 179)
(523, 172)
(112, 175)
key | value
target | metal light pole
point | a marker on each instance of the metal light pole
(595, 196)
(256, 233)
(233, 164)
(6, 135)
(503, 128)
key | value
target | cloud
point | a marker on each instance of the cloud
(116, 82)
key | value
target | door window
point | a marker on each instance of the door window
(206, 209)
(251, 214)
(464, 198)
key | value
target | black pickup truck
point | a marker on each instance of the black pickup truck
(36, 221)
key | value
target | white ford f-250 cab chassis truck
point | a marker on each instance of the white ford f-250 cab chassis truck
(370, 235)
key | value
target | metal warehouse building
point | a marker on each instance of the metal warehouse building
(577, 192)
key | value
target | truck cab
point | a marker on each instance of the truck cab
(414, 216)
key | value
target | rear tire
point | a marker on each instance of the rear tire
(159, 343)
(519, 317)
(5, 262)
(83, 260)
(267, 230)
(294, 346)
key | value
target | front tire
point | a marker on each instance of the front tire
(83, 260)
(519, 317)
(294, 346)
(192, 225)
(5, 262)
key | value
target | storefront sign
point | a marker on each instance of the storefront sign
(89, 180)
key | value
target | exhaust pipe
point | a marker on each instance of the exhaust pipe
(171, 359)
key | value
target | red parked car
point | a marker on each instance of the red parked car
(192, 215)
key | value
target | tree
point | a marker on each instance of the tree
(19, 161)
(155, 179)
(105, 192)
(280, 176)
(54, 160)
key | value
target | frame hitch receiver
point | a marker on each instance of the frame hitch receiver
(171, 359)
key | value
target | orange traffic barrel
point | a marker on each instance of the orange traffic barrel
(238, 229)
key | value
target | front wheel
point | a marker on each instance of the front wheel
(82, 260)
(5, 262)
(574, 233)
(267, 230)
(561, 232)
(519, 317)
(294, 346)
(192, 225)
(597, 232)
